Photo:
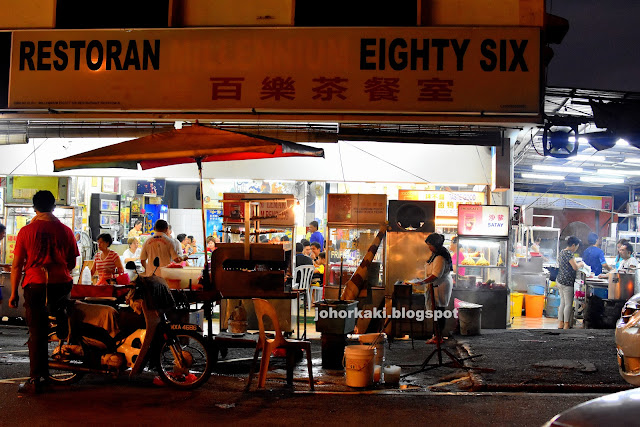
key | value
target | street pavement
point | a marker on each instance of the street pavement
(443, 395)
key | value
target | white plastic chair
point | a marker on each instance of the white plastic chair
(302, 281)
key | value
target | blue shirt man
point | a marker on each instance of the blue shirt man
(593, 255)
(316, 236)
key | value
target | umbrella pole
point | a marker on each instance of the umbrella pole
(206, 278)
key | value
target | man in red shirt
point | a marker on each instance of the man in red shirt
(46, 252)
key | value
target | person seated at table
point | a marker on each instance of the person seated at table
(618, 259)
(318, 273)
(161, 246)
(194, 246)
(593, 256)
(211, 246)
(136, 231)
(315, 252)
(182, 239)
(275, 240)
(629, 263)
(133, 251)
(106, 263)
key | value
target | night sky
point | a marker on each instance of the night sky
(600, 51)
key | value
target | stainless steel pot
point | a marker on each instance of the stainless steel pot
(622, 285)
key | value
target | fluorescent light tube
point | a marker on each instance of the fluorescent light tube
(541, 176)
(556, 168)
(602, 180)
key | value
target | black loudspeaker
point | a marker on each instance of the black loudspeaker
(412, 215)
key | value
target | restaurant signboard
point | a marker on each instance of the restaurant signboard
(474, 220)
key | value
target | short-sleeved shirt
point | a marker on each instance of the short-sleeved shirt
(458, 258)
(594, 258)
(626, 264)
(317, 236)
(48, 248)
(566, 273)
(105, 265)
(161, 246)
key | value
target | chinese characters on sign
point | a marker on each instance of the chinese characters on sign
(328, 88)
(483, 220)
(357, 208)
(446, 201)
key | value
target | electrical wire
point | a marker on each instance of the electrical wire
(31, 154)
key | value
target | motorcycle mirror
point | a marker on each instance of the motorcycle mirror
(130, 265)
(156, 262)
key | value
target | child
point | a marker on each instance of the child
(318, 273)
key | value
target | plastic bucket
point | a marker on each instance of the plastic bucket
(516, 304)
(369, 339)
(535, 289)
(358, 363)
(533, 305)
(470, 320)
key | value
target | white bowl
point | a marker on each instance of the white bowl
(179, 278)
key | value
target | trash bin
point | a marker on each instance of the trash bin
(470, 318)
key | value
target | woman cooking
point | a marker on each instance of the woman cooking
(567, 267)
(438, 271)
(106, 261)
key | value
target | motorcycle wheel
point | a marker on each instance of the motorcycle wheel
(184, 361)
(60, 376)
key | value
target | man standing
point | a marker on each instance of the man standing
(593, 256)
(161, 246)
(316, 236)
(3, 232)
(176, 244)
(46, 252)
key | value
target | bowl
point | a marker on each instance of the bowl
(180, 278)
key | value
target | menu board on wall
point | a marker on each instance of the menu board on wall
(275, 209)
(447, 202)
(476, 220)
(356, 208)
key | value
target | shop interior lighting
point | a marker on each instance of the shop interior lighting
(635, 160)
(191, 180)
(446, 221)
(556, 168)
(581, 139)
(601, 180)
(618, 172)
(541, 176)
(622, 143)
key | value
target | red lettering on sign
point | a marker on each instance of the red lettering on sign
(328, 87)
(380, 88)
(435, 90)
(277, 88)
(226, 88)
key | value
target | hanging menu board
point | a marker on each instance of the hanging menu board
(276, 210)
(356, 208)
(476, 220)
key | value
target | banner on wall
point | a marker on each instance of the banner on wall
(447, 202)
(476, 220)
(356, 208)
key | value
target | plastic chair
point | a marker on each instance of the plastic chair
(316, 293)
(268, 345)
(302, 281)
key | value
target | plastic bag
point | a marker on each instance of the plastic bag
(86, 276)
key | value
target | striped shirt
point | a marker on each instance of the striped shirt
(105, 265)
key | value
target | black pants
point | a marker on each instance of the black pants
(40, 300)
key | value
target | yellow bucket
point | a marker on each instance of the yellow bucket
(516, 304)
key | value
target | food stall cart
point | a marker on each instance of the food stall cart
(410, 222)
(353, 221)
(483, 237)
(242, 269)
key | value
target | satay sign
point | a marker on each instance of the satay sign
(394, 71)
(474, 220)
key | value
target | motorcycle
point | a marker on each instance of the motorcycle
(98, 343)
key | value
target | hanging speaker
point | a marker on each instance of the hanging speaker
(412, 215)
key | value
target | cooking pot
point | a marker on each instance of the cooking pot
(622, 285)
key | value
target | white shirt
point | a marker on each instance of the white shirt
(129, 254)
(627, 265)
(443, 283)
(161, 246)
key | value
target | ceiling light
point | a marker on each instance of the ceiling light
(183, 180)
(541, 176)
(556, 168)
(618, 172)
(587, 158)
(622, 142)
(581, 140)
(632, 160)
(602, 180)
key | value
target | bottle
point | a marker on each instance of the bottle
(86, 276)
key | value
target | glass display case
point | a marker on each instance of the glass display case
(483, 263)
(349, 245)
(540, 241)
